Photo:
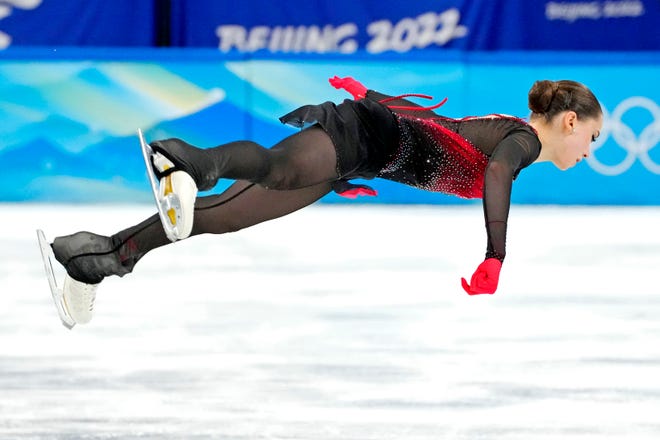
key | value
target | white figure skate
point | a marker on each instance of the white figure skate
(175, 193)
(75, 301)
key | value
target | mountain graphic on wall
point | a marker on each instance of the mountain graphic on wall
(69, 129)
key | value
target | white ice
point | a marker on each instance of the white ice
(342, 322)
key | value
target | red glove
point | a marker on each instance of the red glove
(352, 86)
(485, 278)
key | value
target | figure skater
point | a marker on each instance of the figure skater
(372, 135)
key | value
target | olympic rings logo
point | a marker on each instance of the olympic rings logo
(635, 147)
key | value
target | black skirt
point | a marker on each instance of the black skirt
(365, 133)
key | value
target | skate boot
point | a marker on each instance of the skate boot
(185, 157)
(87, 258)
(174, 188)
(79, 299)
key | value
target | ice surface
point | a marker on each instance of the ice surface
(342, 322)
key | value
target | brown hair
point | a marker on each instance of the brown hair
(549, 98)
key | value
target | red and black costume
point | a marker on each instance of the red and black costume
(371, 136)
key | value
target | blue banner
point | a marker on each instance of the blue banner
(377, 26)
(69, 124)
(77, 23)
(335, 26)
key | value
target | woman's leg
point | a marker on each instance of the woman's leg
(300, 160)
(88, 258)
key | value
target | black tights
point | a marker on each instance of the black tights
(271, 183)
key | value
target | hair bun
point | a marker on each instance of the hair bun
(541, 95)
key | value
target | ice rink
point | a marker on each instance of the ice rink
(342, 323)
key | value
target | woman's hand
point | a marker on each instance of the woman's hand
(485, 278)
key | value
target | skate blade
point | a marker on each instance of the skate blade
(167, 202)
(58, 295)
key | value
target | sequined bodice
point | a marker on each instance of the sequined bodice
(447, 155)
(433, 158)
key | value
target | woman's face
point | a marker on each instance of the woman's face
(575, 141)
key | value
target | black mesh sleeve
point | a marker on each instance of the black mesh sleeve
(512, 154)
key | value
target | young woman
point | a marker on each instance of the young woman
(371, 135)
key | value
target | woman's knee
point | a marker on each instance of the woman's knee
(283, 172)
